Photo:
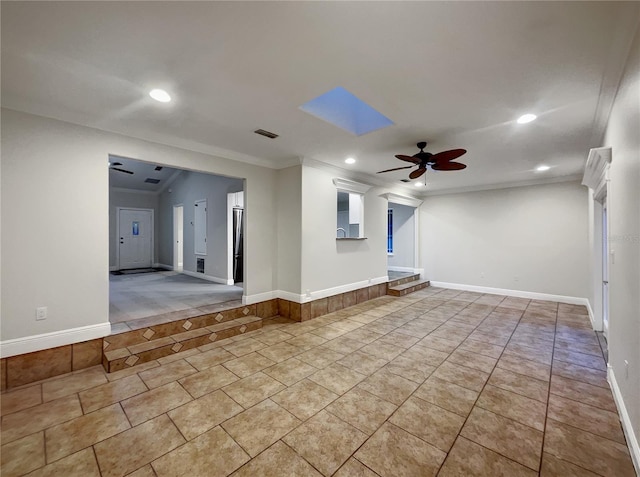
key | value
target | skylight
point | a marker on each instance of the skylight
(343, 109)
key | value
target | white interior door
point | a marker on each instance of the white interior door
(178, 231)
(135, 228)
(605, 270)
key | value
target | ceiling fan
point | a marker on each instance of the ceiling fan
(114, 167)
(441, 161)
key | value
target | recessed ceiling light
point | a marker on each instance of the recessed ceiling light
(419, 184)
(542, 168)
(526, 118)
(350, 160)
(160, 95)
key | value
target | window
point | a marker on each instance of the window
(390, 231)
(350, 209)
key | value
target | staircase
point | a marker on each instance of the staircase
(404, 285)
(136, 347)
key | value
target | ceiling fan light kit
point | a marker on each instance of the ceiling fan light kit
(442, 161)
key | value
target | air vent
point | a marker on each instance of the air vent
(264, 133)
(405, 180)
(152, 181)
(158, 168)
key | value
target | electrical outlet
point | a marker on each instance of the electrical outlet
(481, 274)
(41, 313)
(516, 278)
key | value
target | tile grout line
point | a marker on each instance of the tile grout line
(478, 397)
(546, 412)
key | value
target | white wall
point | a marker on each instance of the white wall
(329, 263)
(135, 199)
(403, 237)
(289, 200)
(186, 190)
(623, 201)
(55, 220)
(532, 239)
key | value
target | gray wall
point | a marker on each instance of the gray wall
(134, 199)
(403, 237)
(186, 190)
(623, 201)
(532, 239)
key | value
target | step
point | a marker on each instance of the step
(409, 287)
(138, 353)
(403, 280)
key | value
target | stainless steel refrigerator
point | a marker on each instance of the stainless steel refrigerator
(238, 228)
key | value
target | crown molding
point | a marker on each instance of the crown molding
(504, 185)
(402, 199)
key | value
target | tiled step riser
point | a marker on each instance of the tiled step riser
(145, 352)
(403, 280)
(144, 335)
(406, 291)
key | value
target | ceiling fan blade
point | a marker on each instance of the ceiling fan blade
(120, 170)
(402, 157)
(417, 173)
(448, 166)
(395, 169)
(446, 156)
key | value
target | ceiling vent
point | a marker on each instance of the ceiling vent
(158, 168)
(152, 181)
(264, 133)
(405, 180)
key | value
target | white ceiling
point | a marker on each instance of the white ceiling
(456, 74)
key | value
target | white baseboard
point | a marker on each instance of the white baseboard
(258, 297)
(592, 316)
(627, 427)
(315, 295)
(406, 269)
(113, 268)
(164, 266)
(29, 344)
(224, 281)
(571, 300)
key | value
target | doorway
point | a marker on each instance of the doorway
(402, 256)
(135, 238)
(178, 237)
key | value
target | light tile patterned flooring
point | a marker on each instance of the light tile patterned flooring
(439, 382)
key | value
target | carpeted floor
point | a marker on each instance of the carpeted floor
(135, 296)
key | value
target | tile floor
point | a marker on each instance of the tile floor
(439, 382)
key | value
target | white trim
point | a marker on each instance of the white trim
(209, 278)
(592, 317)
(113, 268)
(596, 171)
(571, 300)
(351, 186)
(627, 427)
(311, 296)
(178, 245)
(29, 344)
(402, 199)
(504, 185)
(259, 297)
(405, 269)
